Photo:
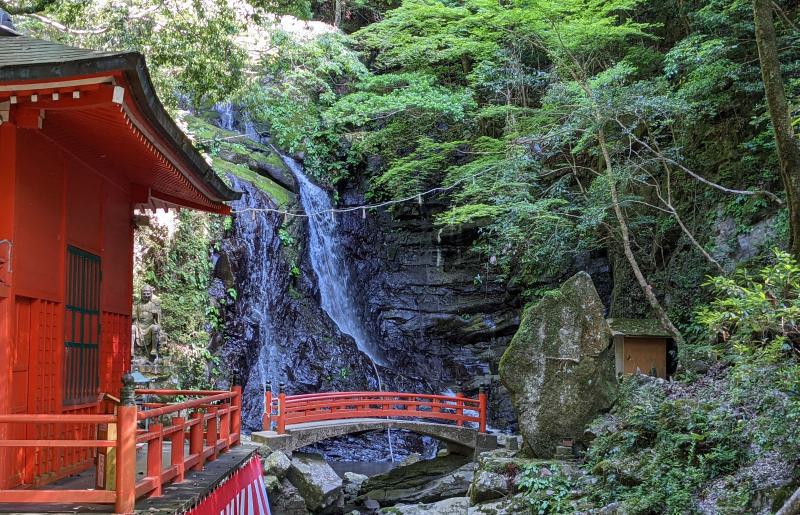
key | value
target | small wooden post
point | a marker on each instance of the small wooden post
(126, 448)
(282, 409)
(236, 420)
(225, 427)
(212, 436)
(482, 408)
(176, 441)
(196, 441)
(154, 453)
(266, 421)
(459, 405)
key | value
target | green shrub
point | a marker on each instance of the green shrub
(546, 494)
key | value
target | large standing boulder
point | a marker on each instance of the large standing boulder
(559, 368)
(316, 481)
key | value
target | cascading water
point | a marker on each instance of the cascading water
(255, 233)
(226, 115)
(336, 284)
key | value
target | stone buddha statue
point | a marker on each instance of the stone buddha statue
(147, 324)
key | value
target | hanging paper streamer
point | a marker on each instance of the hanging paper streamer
(242, 494)
(419, 199)
(363, 213)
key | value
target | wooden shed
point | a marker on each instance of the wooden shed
(643, 346)
(83, 142)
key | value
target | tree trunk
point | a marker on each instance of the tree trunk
(661, 314)
(788, 146)
(792, 505)
(338, 13)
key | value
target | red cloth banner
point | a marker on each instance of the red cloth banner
(242, 494)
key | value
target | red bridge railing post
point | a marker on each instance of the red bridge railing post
(482, 408)
(266, 420)
(154, 457)
(282, 409)
(459, 405)
(126, 448)
(236, 420)
(176, 443)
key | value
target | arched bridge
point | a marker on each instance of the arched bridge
(294, 421)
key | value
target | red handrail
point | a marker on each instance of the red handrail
(315, 407)
(213, 427)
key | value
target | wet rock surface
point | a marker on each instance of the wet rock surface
(559, 368)
(423, 481)
(315, 480)
(288, 501)
(452, 506)
(277, 464)
(440, 319)
(276, 330)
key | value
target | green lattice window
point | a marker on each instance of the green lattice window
(82, 328)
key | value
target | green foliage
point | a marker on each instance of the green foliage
(663, 447)
(286, 237)
(546, 494)
(179, 268)
(190, 49)
(758, 315)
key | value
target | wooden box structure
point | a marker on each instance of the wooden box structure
(83, 142)
(641, 346)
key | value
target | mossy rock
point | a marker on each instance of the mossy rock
(559, 368)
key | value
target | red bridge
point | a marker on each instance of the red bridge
(294, 421)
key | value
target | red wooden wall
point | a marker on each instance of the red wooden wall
(49, 199)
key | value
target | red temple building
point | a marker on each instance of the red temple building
(83, 142)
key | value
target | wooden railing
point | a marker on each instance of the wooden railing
(213, 426)
(297, 409)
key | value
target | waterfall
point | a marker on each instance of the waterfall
(225, 111)
(336, 284)
(250, 129)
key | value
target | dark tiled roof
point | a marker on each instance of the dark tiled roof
(26, 51)
(26, 58)
(637, 327)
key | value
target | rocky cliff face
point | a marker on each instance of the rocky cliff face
(277, 331)
(442, 320)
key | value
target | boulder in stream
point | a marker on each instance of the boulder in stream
(559, 368)
(288, 501)
(315, 480)
(277, 464)
(424, 481)
(451, 506)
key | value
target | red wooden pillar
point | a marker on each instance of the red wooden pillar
(236, 420)
(225, 426)
(212, 435)
(281, 409)
(154, 452)
(459, 405)
(126, 449)
(482, 408)
(177, 453)
(8, 172)
(266, 421)
(196, 440)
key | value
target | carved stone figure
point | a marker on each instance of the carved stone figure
(147, 324)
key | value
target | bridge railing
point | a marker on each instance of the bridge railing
(286, 410)
(213, 427)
